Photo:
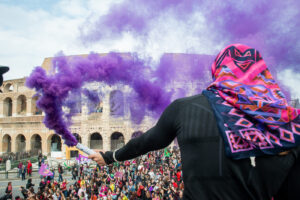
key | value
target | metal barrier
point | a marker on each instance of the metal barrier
(18, 156)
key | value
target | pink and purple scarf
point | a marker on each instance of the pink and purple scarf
(252, 113)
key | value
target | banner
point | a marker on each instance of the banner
(81, 159)
(44, 170)
(67, 166)
(167, 153)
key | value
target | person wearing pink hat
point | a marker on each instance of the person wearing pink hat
(239, 139)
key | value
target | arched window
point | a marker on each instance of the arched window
(117, 140)
(55, 143)
(137, 112)
(73, 102)
(96, 141)
(6, 143)
(78, 137)
(94, 102)
(21, 105)
(20, 143)
(35, 109)
(7, 107)
(9, 87)
(36, 144)
(116, 102)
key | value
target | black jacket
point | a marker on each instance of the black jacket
(207, 172)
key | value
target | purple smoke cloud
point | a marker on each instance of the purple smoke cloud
(91, 95)
(152, 89)
(272, 28)
(133, 16)
(116, 103)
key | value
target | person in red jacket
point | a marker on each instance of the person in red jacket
(29, 168)
(175, 185)
(178, 174)
(140, 190)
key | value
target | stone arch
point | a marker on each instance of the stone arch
(21, 105)
(54, 143)
(96, 141)
(36, 144)
(7, 107)
(136, 134)
(116, 103)
(35, 110)
(9, 87)
(20, 143)
(78, 137)
(116, 140)
(6, 143)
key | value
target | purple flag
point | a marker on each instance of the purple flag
(82, 159)
(44, 170)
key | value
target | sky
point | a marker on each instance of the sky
(31, 30)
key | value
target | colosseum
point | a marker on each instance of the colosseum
(22, 128)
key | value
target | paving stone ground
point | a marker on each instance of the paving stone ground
(17, 183)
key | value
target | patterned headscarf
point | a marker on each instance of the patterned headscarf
(252, 113)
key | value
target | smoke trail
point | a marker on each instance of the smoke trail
(73, 103)
(71, 74)
(151, 89)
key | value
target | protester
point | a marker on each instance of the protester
(74, 172)
(24, 192)
(239, 139)
(8, 192)
(23, 172)
(60, 172)
(29, 183)
(29, 168)
(124, 180)
(20, 169)
(40, 162)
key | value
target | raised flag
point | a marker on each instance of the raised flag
(45, 171)
(81, 159)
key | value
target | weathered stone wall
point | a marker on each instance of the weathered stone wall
(30, 123)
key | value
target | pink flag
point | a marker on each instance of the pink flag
(119, 175)
(44, 170)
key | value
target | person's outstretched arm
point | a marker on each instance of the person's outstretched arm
(158, 137)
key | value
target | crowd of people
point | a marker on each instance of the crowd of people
(154, 176)
(24, 168)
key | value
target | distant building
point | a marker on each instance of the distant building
(22, 128)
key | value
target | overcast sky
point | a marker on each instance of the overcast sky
(31, 30)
